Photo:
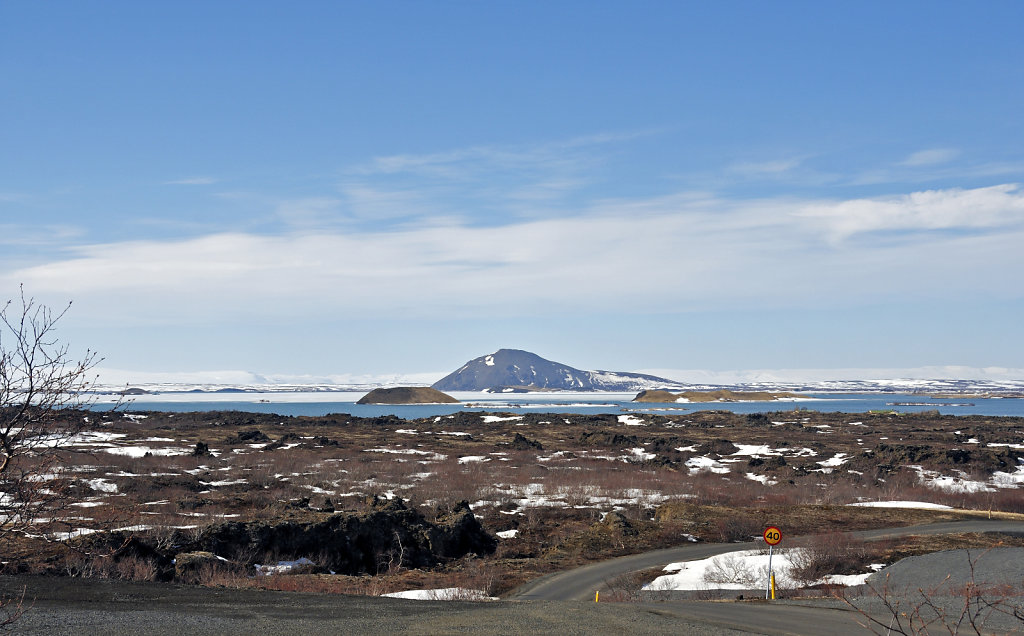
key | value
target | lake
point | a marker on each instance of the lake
(322, 403)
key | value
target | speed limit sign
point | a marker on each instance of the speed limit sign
(772, 535)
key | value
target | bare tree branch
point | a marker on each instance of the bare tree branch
(43, 392)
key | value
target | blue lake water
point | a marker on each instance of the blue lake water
(593, 403)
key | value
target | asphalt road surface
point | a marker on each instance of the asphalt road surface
(581, 584)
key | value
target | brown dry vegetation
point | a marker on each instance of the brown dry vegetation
(576, 488)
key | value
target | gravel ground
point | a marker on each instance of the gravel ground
(111, 608)
(952, 570)
(941, 578)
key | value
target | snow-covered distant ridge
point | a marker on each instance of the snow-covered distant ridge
(896, 385)
(248, 382)
(942, 380)
(903, 376)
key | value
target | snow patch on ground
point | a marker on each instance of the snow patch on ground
(408, 451)
(443, 594)
(836, 460)
(140, 451)
(901, 504)
(631, 420)
(697, 464)
(755, 449)
(642, 454)
(761, 478)
(491, 419)
(950, 483)
(742, 570)
(101, 485)
(282, 567)
(1009, 480)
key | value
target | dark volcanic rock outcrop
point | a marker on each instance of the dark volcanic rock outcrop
(389, 534)
(407, 395)
(355, 544)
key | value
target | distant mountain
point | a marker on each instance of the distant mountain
(509, 370)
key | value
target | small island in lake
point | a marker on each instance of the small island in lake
(407, 395)
(722, 395)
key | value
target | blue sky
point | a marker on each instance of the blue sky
(368, 188)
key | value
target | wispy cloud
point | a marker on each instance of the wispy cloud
(761, 168)
(309, 212)
(458, 163)
(193, 181)
(22, 234)
(482, 182)
(930, 157)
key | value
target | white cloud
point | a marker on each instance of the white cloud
(673, 253)
(1000, 206)
(930, 157)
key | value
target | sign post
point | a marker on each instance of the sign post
(772, 536)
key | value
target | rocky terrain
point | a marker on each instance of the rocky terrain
(490, 500)
(342, 543)
(407, 395)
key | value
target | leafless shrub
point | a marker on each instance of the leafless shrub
(11, 609)
(42, 390)
(134, 568)
(475, 576)
(731, 569)
(830, 553)
(628, 587)
(221, 574)
(738, 527)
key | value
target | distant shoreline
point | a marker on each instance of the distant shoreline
(315, 403)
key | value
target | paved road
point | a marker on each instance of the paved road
(581, 583)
